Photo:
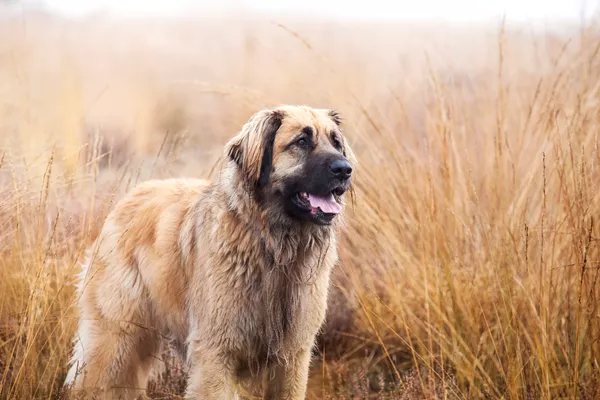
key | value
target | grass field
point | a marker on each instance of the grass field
(470, 265)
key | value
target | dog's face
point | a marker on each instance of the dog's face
(295, 159)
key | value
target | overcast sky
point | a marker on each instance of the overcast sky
(441, 10)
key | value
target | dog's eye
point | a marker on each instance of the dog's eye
(337, 144)
(302, 142)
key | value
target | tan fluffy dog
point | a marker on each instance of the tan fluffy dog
(236, 270)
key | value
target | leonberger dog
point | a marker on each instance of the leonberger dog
(234, 270)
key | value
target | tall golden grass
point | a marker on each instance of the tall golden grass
(469, 268)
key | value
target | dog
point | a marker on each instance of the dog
(235, 270)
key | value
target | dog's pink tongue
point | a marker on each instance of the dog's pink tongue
(326, 204)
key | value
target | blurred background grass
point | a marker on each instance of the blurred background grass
(470, 264)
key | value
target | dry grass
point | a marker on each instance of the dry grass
(470, 266)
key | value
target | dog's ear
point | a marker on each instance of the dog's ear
(252, 148)
(347, 150)
(335, 116)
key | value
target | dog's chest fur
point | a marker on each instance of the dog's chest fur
(275, 284)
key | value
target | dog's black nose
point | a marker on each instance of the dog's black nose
(341, 169)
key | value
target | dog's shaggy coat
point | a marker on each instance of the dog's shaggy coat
(230, 269)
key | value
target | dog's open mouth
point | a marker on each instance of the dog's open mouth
(326, 204)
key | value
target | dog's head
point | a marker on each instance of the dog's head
(297, 159)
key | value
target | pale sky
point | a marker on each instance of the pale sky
(438, 10)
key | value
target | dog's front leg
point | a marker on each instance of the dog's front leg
(288, 380)
(211, 378)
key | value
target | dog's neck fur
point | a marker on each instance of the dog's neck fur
(289, 242)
